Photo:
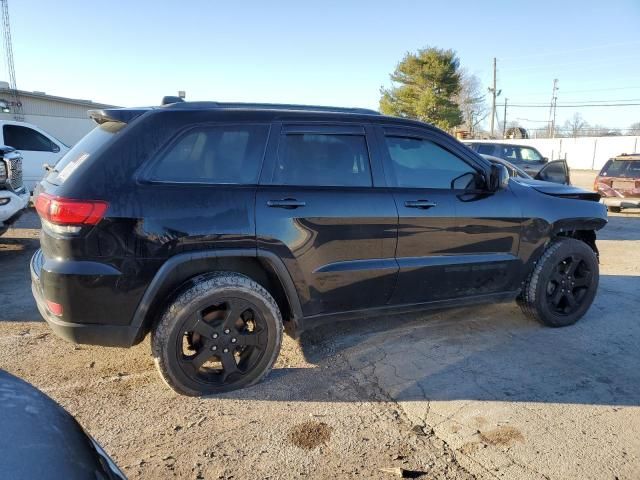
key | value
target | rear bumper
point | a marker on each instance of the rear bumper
(621, 202)
(89, 333)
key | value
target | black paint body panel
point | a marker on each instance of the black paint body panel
(345, 250)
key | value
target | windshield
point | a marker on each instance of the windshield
(82, 150)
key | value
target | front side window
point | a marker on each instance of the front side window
(529, 155)
(214, 154)
(311, 159)
(420, 163)
(25, 138)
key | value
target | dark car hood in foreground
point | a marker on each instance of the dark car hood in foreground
(39, 439)
(559, 190)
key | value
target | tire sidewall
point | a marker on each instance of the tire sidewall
(205, 293)
(567, 247)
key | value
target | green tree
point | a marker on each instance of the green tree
(424, 86)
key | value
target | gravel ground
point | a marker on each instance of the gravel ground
(466, 393)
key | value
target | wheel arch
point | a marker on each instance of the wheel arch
(261, 266)
(583, 229)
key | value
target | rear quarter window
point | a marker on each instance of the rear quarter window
(228, 154)
(83, 150)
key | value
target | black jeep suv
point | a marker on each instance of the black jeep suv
(217, 226)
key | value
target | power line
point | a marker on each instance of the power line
(582, 49)
(571, 106)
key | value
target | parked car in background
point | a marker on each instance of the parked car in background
(551, 172)
(216, 226)
(39, 439)
(618, 182)
(526, 158)
(14, 197)
(36, 146)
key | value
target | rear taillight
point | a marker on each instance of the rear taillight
(595, 185)
(68, 214)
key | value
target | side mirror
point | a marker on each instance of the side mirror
(545, 160)
(499, 177)
(55, 148)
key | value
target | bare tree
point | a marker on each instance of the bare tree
(634, 128)
(575, 125)
(471, 101)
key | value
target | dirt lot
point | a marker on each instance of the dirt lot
(466, 393)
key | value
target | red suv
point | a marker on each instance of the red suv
(619, 182)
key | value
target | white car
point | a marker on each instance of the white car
(14, 197)
(36, 146)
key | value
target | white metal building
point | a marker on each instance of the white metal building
(64, 118)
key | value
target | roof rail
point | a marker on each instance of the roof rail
(269, 106)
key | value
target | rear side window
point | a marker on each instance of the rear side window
(214, 154)
(25, 138)
(420, 163)
(311, 159)
(621, 168)
(485, 149)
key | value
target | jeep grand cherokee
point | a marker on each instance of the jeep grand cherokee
(214, 227)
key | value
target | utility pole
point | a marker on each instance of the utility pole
(552, 110)
(504, 119)
(8, 56)
(493, 94)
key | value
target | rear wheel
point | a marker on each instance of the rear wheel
(563, 284)
(614, 209)
(220, 334)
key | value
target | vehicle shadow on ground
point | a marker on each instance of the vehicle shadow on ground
(621, 227)
(490, 353)
(16, 302)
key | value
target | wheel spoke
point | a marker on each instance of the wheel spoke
(236, 308)
(229, 363)
(575, 262)
(250, 339)
(557, 296)
(571, 300)
(199, 359)
(556, 277)
(203, 328)
(583, 281)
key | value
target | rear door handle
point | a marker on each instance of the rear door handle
(419, 204)
(289, 203)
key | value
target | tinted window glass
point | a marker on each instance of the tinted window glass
(323, 160)
(83, 150)
(621, 168)
(485, 149)
(24, 138)
(419, 163)
(216, 154)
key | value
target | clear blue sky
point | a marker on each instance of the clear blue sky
(326, 52)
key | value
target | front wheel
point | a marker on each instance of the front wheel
(563, 284)
(220, 334)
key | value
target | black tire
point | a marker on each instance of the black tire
(614, 209)
(221, 333)
(562, 285)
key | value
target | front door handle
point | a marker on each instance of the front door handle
(289, 203)
(419, 204)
